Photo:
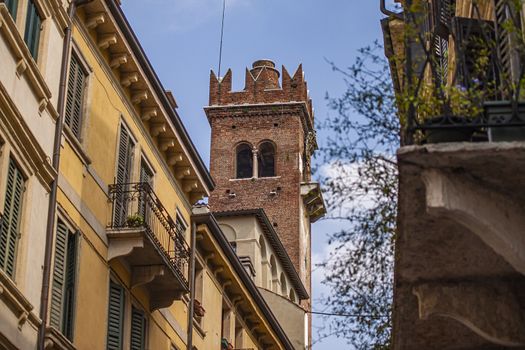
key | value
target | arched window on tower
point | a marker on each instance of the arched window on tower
(244, 161)
(266, 159)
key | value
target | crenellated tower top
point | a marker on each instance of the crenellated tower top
(262, 86)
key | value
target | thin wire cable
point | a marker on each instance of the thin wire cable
(222, 37)
(346, 315)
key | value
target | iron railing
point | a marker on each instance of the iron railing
(135, 205)
(476, 62)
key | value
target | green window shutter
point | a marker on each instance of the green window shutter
(32, 33)
(146, 176)
(124, 162)
(75, 96)
(59, 276)
(10, 226)
(12, 6)
(64, 280)
(138, 330)
(115, 317)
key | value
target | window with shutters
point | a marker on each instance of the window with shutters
(508, 30)
(33, 26)
(115, 317)
(138, 329)
(10, 223)
(75, 96)
(12, 6)
(123, 176)
(146, 177)
(64, 280)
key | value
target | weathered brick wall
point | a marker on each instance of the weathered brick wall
(282, 209)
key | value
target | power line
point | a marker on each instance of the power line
(346, 315)
(222, 36)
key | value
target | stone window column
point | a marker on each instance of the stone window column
(255, 152)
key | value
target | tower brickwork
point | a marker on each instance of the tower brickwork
(265, 111)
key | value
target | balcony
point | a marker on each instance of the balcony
(144, 237)
(459, 264)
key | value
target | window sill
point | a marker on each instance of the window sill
(198, 328)
(257, 178)
(77, 146)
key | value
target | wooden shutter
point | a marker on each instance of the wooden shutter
(9, 228)
(138, 330)
(146, 176)
(124, 162)
(75, 96)
(115, 317)
(32, 33)
(12, 6)
(508, 17)
(63, 284)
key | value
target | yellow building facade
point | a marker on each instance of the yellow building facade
(131, 257)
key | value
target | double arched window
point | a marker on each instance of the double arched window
(245, 159)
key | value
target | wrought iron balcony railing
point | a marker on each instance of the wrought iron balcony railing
(135, 205)
(463, 73)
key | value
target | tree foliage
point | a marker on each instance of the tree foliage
(360, 182)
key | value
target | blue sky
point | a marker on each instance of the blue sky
(181, 39)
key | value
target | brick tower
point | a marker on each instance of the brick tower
(261, 144)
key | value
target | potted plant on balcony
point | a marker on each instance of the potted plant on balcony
(198, 310)
(135, 220)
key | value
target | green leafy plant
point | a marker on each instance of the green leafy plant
(135, 220)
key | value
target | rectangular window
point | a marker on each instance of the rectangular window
(64, 277)
(75, 96)
(124, 164)
(138, 330)
(12, 6)
(10, 223)
(33, 24)
(115, 317)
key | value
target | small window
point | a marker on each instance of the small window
(266, 160)
(75, 96)
(244, 161)
(12, 7)
(33, 24)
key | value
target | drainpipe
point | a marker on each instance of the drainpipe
(191, 304)
(50, 228)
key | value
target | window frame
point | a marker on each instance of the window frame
(87, 72)
(33, 41)
(71, 231)
(11, 159)
(259, 159)
(236, 160)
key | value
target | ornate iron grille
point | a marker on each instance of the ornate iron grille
(135, 205)
(462, 75)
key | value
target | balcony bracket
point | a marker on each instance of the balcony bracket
(145, 274)
(124, 241)
(491, 310)
(480, 210)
